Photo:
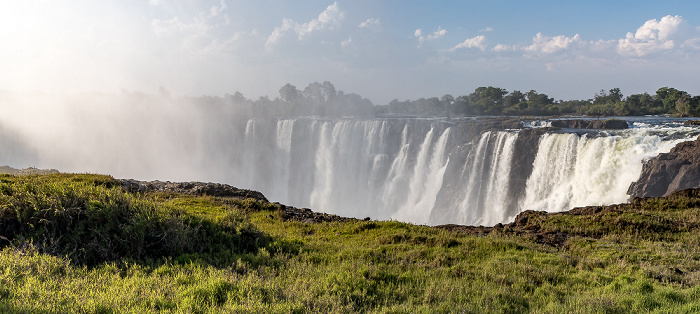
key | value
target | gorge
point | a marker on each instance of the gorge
(470, 171)
(437, 171)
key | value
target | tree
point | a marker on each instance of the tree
(487, 100)
(641, 104)
(538, 103)
(668, 96)
(289, 93)
(683, 105)
(612, 96)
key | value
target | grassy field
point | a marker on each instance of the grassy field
(80, 243)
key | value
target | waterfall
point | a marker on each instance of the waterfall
(488, 171)
(426, 171)
(572, 171)
(280, 187)
(426, 181)
(429, 172)
(550, 184)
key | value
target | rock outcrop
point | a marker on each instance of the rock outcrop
(191, 188)
(304, 215)
(617, 124)
(26, 171)
(673, 171)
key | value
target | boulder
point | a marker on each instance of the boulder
(677, 170)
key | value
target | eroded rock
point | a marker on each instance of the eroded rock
(677, 170)
(614, 124)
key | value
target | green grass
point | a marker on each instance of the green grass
(79, 243)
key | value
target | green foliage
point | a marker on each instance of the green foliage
(497, 101)
(90, 220)
(642, 257)
(322, 99)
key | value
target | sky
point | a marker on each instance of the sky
(380, 49)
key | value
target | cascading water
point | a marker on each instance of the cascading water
(487, 170)
(423, 172)
(571, 170)
(426, 171)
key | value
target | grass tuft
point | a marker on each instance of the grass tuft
(81, 243)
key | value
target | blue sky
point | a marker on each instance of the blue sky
(379, 49)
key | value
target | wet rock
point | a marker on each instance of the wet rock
(616, 124)
(677, 170)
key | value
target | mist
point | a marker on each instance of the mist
(327, 150)
(131, 134)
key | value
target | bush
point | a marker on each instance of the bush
(91, 220)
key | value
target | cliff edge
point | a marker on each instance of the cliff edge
(677, 170)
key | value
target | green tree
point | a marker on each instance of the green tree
(668, 96)
(487, 100)
(537, 103)
(683, 105)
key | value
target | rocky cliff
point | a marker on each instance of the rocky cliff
(590, 124)
(677, 170)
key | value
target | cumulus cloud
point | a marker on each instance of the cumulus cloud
(328, 19)
(654, 36)
(502, 48)
(195, 32)
(487, 29)
(547, 45)
(670, 33)
(440, 32)
(475, 42)
(369, 23)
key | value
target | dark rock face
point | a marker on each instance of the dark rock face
(616, 124)
(676, 170)
(306, 215)
(523, 158)
(191, 188)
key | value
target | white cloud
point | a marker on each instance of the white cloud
(196, 32)
(217, 10)
(487, 29)
(475, 42)
(502, 48)
(369, 23)
(328, 19)
(692, 43)
(346, 42)
(440, 32)
(653, 36)
(547, 45)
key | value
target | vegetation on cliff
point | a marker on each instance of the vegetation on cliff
(83, 243)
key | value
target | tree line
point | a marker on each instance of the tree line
(498, 101)
(322, 99)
